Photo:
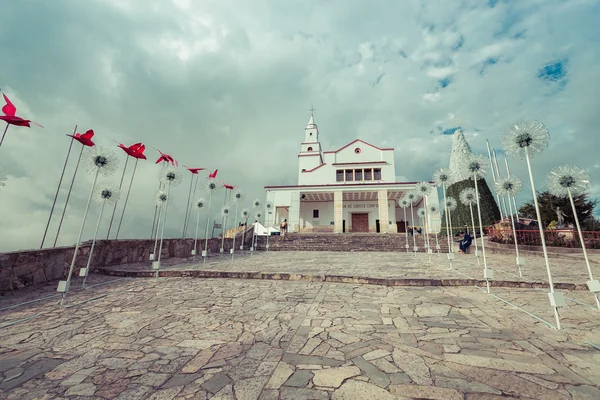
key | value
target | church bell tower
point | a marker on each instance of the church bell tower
(311, 155)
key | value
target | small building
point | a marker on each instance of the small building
(351, 189)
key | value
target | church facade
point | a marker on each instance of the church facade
(351, 189)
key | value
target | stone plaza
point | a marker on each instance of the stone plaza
(313, 326)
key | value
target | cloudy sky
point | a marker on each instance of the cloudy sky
(227, 84)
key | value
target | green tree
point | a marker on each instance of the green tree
(549, 202)
(462, 215)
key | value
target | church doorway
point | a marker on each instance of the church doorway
(360, 222)
(401, 226)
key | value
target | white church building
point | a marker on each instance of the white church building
(351, 189)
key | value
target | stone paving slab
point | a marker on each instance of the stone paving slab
(417, 269)
(178, 338)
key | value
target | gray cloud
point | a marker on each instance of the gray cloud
(228, 84)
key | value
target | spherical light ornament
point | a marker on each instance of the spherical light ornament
(102, 160)
(107, 194)
(256, 203)
(200, 204)
(238, 195)
(413, 197)
(211, 185)
(3, 178)
(468, 196)
(170, 175)
(404, 202)
(421, 212)
(443, 177)
(225, 211)
(567, 178)
(245, 213)
(451, 203)
(424, 188)
(508, 186)
(530, 135)
(433, 210)
(160, 197)
(476, 165)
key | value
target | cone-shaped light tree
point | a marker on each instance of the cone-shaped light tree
(460, 156)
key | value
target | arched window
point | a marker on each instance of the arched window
(309, 149)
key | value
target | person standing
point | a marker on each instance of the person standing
(283, 227)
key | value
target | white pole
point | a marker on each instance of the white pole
(162, 229)
(498, 175)
(512, 219)
(205, 252)
(474, 233)
(494, 177)
(513, 197)
(405, 230)
(244, 235)
(237, 203)
(585, 255)
(153, 255)
(223, 225)
(412, 218)
(87, 207)
(89, 261)
(539, 218)
(486, 273)
(426, 224)
(448, 234)
(196, 236)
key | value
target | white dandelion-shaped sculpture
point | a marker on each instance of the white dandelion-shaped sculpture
(433, 210)
(477, 166)
(105, 195)
(404, 203)
(468, 197)
(424, 189)
(527, 139)
(225, 212)
(413, 197)
(569, 181)
(169, 177)
(245, 214)
(3, 178)
(510, 186)
(444, 177)
(238, 196)
(211, 185)
(200, 204)
(160, 200)
(268, 210)
(256, 203)
(99, 161)
(451, 203)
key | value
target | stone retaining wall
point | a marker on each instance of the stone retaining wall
(29, 267)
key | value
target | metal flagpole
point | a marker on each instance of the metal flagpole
(127, 198)
(68, 197)
(85, 272)
(187, 209)
(4, 134)
(59, 185)
(116, 202)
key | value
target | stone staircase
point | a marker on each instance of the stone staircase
(391, 242)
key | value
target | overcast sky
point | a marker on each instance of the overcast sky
(228, 84)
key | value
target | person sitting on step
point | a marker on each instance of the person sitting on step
(464, 244)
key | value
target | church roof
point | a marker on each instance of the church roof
(363, 142)
(311, 123)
